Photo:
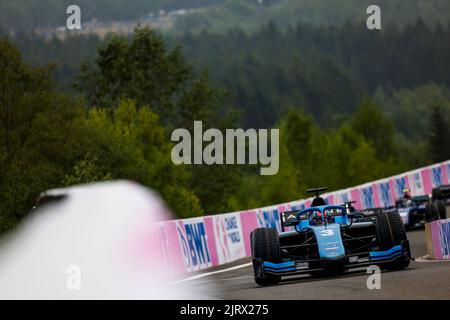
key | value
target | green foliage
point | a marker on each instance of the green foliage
(139, 137)
(222, 15)
(326, 70)
(409, 108)
(313, 156)
(85, 171)
(48, 141)
(370, 122)
(66, 55)
(139, 88)
(141, 69)
(38, 134)
(249, 16)
(439, 135)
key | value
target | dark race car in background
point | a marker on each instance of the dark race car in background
(415, 212)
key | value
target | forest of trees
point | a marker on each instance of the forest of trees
(26, 15)
(249, 16)
(222, 15)
(326, 71)
(48, 139)
(352, 105)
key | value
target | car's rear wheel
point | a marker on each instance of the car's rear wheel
(391, 232)
(440, 208)
(265, 244)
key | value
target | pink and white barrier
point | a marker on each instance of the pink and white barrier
(199, 243)
(438, 239)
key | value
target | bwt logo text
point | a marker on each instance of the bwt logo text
(194, 245)
(236, 142)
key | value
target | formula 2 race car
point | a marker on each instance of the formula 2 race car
(327, 240)
(415, 211)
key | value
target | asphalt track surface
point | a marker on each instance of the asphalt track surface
(421, 280)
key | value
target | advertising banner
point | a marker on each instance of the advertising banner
(229, 237)
(438, 241)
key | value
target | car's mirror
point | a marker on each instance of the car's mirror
(289, 218)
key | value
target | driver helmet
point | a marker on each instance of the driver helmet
(406, 195)
(317, 217)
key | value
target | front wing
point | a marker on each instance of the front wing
(349, 261)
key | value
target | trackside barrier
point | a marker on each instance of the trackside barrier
(438, 239)
(199, 243)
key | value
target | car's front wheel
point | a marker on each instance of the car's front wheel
(265, 244)
(391, 232)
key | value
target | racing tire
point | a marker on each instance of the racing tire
(431, 213)
(391, 232)
(436, 210)
(440, 208)
(265, 244)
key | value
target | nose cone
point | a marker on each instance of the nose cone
(329, 241)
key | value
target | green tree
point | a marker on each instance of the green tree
(85, 171)
(140, 68)
(439, 136)
(144, 70)
(370, 122)
(409, 107)
(143, 152)
(299, 132)
(48, 140)
(39, 132)
(213, 184)
(312, 156)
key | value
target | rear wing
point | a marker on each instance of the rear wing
(422, 198)
(441, 192)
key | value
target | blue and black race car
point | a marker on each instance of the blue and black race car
(328, 239)
(414, 211)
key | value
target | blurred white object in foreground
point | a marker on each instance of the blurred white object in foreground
(96, 241)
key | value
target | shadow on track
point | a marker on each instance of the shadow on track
(349, 274)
